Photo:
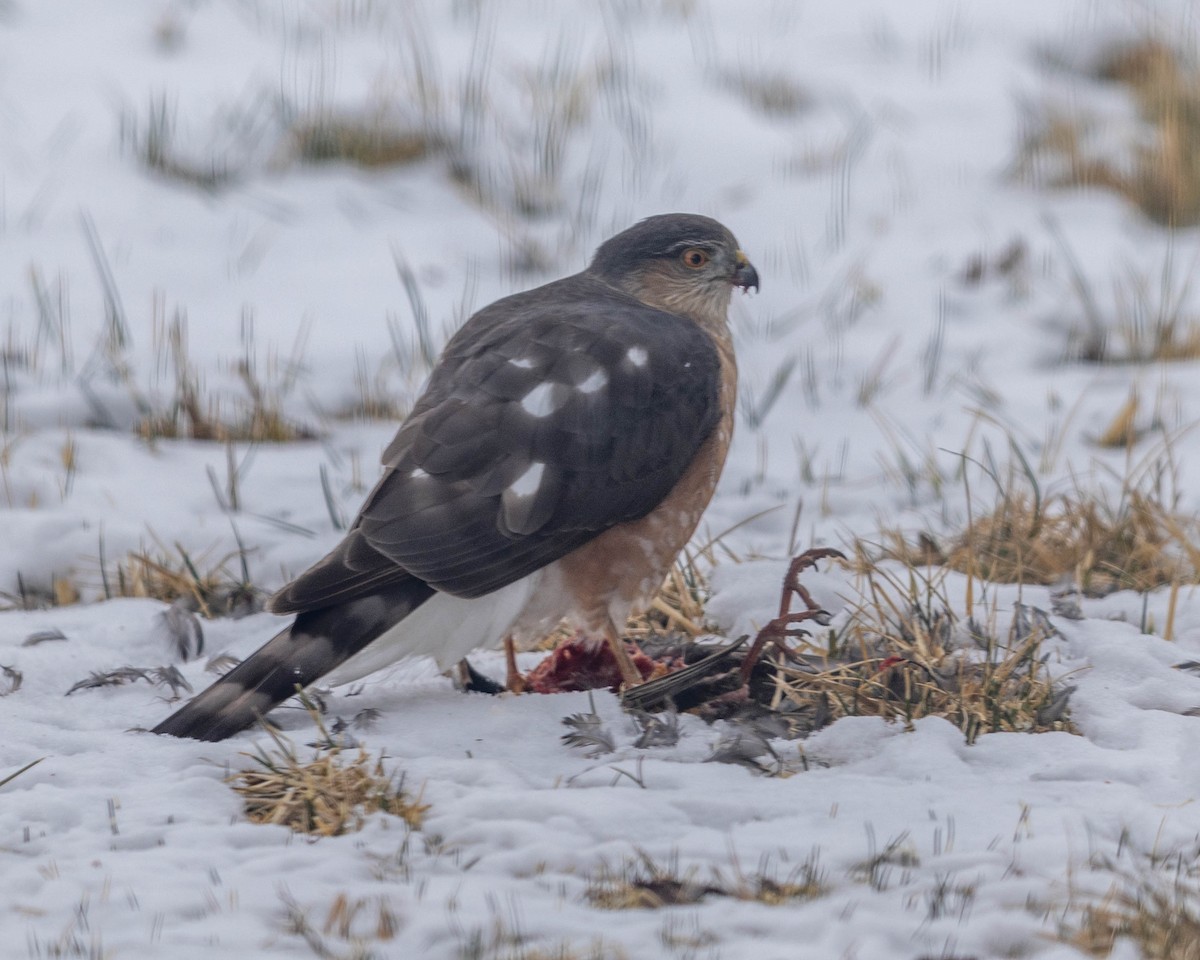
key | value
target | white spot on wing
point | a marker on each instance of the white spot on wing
(543, 399)
(597, 381)
(418, 474)
(523, 363)
(527, 484)
(637, 356)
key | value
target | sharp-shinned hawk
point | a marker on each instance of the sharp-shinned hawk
(560, 457)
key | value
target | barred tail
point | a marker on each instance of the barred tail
(315, 643)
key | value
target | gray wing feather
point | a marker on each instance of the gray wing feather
(553, 415)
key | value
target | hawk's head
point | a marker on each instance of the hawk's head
(678, 262)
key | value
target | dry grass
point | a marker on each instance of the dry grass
(154, 140)
(679, 606)
(350, 929)
(9, 778)
(62, 592)
(325, 796)
(770, 92)
(642, 883)
(211, 587)
(375, 400)
(373, 140)
(188, 418)
(259, 418)
(499, 935)
(254, 416)
(1161, 176)
(904, 654)
(1145, 319)
(1155, 904)
(1133, 544)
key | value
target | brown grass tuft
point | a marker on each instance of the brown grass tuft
(1136, 544)
(1156, 905)
(351, 929)
(61, 592)
(679, 606)
(260, 420)
(1162, 174)
(373, 140)
(212, 588)
(642, 883)
(324, 796)
(906, 655)
(258, 416)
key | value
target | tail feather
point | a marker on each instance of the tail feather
(315, 643)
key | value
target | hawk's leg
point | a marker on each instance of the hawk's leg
(630, 675)
(514, 680)
(784, 626)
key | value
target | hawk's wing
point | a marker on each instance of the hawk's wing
(553, 415)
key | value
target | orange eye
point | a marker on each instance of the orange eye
(695, 258)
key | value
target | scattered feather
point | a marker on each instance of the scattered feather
(43, 636)
(1055, 709)
(1066, 604)
(169, 676)
(221, 663)
(166, 676)
(113, 678)
(11, 680)
(587, 730)
(657, 730)
(1028, 621)
(366, 718)
(180, 629)
(743, 744)
(336, 737)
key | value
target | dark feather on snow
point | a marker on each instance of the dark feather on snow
(743, 744)
(156, 676)
(1066, 604)
(658, 730)
(221, 663)
(169, 676)
(113, 678)
(42, 636)
(338, 737)
(587, 730)
(1027, 620)
(180, 628)
(1055, 708)
(366, 718)
(13, 678)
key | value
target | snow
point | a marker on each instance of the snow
(860, 211)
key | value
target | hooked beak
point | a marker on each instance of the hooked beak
(745, 276)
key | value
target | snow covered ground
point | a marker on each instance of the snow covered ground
(862, 152)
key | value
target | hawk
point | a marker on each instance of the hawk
(560, 457)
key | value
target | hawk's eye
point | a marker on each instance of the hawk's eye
(695, 258)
